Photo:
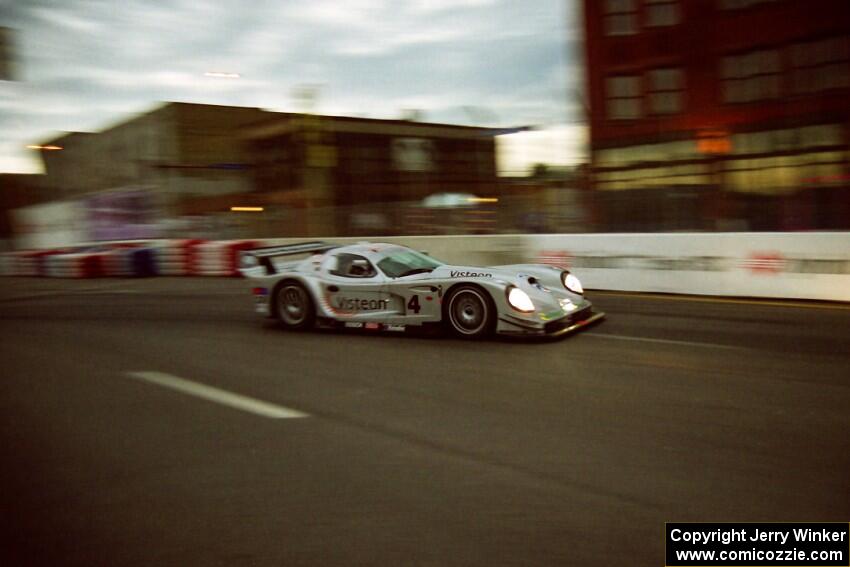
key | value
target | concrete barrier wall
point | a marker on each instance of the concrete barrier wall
(799, 265)
(777, 265)
(784, 265)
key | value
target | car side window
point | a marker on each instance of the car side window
(352, 266)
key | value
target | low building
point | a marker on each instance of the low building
(177, 151)
(309, 174)
(344, 175)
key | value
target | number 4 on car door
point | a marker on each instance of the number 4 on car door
(413, 304)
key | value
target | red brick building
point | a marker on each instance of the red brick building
(719, 114)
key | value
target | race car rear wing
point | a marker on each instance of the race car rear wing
(263, 256)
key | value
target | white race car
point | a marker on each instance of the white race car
(391, 287)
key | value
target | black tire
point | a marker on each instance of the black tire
(293, 306)
(469, 312)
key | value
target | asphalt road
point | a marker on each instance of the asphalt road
(413, 450)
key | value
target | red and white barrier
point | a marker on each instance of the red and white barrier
(177, 257)
(64, 266)
(805, 265)
(117, 261)
(27, 264)
(77, 265)
(30, 263)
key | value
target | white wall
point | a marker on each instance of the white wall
(811, 265)
(800, 265)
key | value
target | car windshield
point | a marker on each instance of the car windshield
(406, 262)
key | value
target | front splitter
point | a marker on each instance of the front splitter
(578, 326)
(540, 334)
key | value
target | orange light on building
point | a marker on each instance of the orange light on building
(482, 200)
(714, 146)
(246, 209)
(714, 142)
(46, 148)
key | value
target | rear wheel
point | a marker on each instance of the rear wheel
(469, 312)
(293, 306)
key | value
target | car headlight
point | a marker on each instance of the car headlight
(572, 283)
(519, 300)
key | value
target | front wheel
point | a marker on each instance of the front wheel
(470, 313)
(293, 307)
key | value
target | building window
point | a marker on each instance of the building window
(623, 97)
(666, 88)
(620, 17)
(788, 139)
(741, 4)
(751, 76)
(820, 65)
(660, 13)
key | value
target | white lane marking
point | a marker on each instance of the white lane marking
(217, 395)
(663, 341)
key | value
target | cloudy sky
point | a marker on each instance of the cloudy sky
(85, 64)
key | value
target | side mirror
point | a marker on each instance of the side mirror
(424, 252)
